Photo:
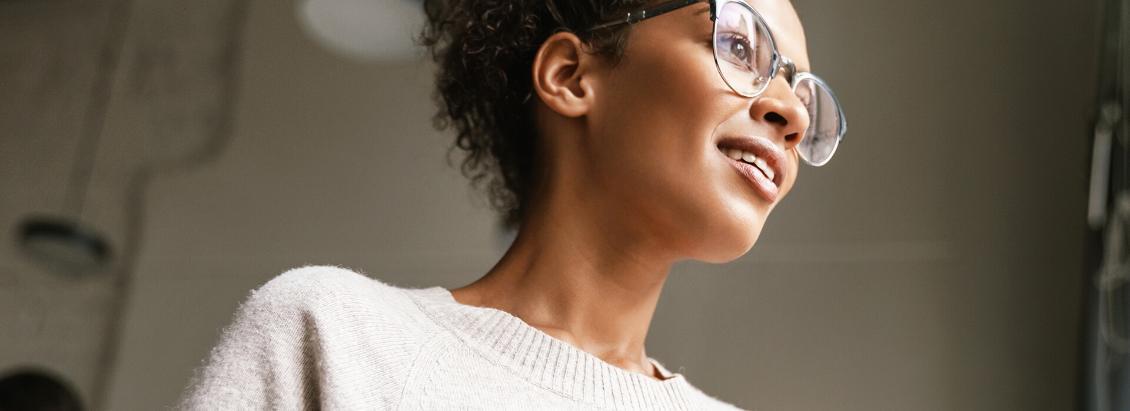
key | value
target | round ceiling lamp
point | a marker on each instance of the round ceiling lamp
(65, 245)
(366, 30)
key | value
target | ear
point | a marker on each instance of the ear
(563, 74)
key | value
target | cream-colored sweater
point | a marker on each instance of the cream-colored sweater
(323, 337)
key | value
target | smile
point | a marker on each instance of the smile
(751, 159)
(758, 161)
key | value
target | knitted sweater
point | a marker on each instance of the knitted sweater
(323, 337)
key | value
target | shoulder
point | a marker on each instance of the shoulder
(317, 288)
(330, 305)
(317, 280)
(311, 321)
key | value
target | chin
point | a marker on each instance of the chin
(729, 240)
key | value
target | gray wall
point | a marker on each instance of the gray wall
(935, 265)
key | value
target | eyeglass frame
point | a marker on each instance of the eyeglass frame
(777, 60)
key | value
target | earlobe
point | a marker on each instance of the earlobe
(561, 71)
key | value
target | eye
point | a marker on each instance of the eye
(736, 49)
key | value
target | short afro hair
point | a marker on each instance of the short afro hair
(484, 50)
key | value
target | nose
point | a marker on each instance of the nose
(779, 107)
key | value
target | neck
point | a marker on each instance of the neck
(581, 277)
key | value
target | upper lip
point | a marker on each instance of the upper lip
(762, 148)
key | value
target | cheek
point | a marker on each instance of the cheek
(658, 118)
(657, 127)
(790, 181)
(663, 104)
(654, 128)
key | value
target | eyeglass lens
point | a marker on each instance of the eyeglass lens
(825, 126)
(745, 53)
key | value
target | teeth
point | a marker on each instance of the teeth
(748, 157)
(764, 166)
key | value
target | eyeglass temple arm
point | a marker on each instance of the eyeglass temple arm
(661, 9)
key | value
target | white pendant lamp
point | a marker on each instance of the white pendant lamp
(365, 30)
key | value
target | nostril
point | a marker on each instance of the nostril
(792, 137)
(773, 117)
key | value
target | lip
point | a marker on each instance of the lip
(763, 148)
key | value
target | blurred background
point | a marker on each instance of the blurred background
(160, 159)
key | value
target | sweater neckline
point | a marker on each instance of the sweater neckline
(563, 367)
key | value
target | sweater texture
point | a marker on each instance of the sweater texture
(323, 337)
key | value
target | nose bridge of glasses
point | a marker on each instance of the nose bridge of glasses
(789, 68)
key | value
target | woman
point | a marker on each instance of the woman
(617, 146)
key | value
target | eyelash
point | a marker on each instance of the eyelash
(729, 37)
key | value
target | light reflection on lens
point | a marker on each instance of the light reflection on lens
(825, 126)
(742, 49)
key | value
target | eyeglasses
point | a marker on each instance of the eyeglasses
(747, 59)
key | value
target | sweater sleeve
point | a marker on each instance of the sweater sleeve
(306, 340)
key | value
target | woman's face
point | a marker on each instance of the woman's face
(663, 122)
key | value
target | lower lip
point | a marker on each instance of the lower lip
(760, 183)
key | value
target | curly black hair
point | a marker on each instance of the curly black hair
(484, 50)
